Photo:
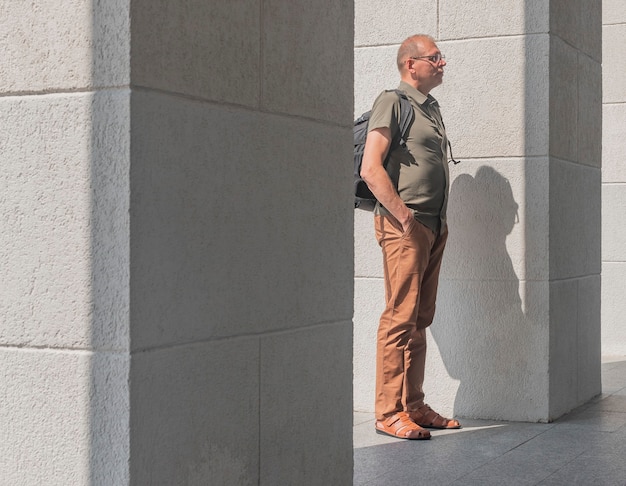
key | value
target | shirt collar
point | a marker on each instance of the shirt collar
(418, 96)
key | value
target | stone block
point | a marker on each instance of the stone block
(483, 18)
(208, 50)
(492, 209)
(197, 406)
(613, 309)
(589, 32)
(367, 252)
(614, 66)
(375, 70)
(536, 218)
(507, 116)
(613, 143)
(305, 50)
(368, 305)
(575, 221)
(110, 42)
(589, 354)
(563, 365)
(574, 343)
(109, 402)
(64, 417)
(64, 45)
(614, 223)
(589, 127)
(478, 328)
(564, 20)
(578, 23)
(308, 371)
(226, 235)
(64, 243)
(563, 100)
(613, 11)
(391, 23)
(440, 387)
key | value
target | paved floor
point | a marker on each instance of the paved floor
(586, 447)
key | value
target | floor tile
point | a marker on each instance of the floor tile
(585, 447)
(590, 470)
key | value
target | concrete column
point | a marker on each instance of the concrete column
(176, 243)
(517, 331)
(241, 244)
(613, 178)
(64, 243)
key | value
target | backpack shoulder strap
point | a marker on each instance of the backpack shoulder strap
(406, 116)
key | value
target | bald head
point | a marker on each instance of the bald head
(412, 47)
(421, 63)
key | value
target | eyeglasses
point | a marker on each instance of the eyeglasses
(435, 59)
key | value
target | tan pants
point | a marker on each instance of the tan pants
(411, 264)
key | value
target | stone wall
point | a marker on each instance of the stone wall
(176, 242)
(613, 178)
(517, 331)
(64, 244)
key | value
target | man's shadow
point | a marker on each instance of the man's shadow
(480, 327)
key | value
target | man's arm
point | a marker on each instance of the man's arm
(375, 176)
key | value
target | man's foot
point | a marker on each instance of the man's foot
(427, 417)
(402, 427)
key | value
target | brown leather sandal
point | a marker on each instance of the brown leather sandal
(427, 417)
(402, 427)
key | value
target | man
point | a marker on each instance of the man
(410, 224)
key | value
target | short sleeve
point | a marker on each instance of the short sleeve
(385, 112)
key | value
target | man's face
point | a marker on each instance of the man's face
(428, 66)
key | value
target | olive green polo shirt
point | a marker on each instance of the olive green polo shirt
(419, 171)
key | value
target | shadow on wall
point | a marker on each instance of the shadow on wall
(482, 334)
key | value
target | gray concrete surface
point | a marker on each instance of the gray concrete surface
(585, 447)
